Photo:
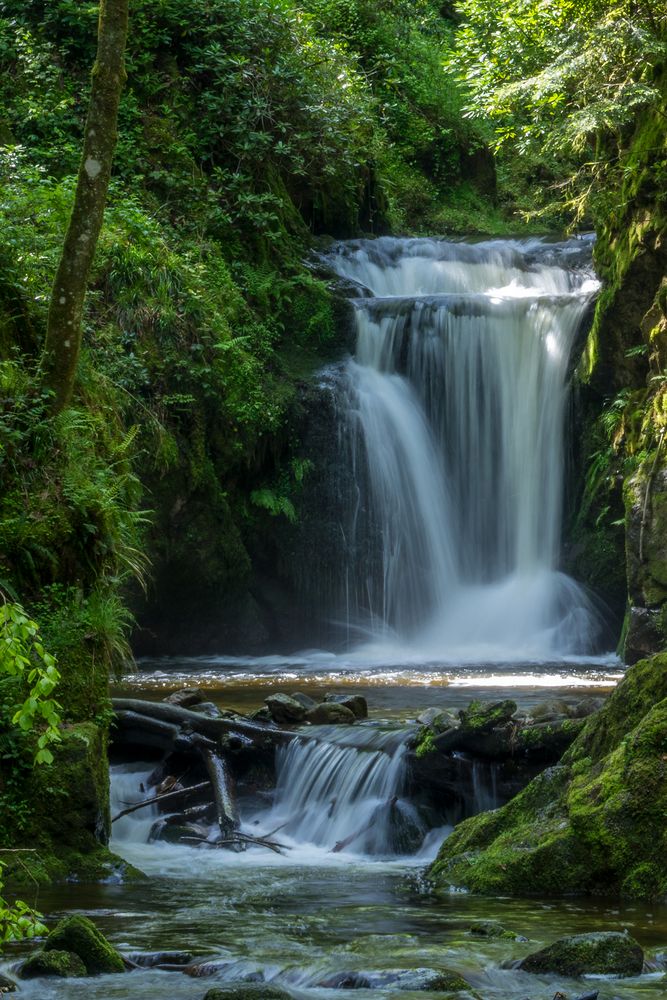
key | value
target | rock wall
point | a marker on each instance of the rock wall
(622, 383)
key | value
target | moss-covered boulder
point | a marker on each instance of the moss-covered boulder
(592, 824)
(52, 963)
(81, 936)
(605, 953)
(493, 929)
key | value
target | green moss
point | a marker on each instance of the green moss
(425, 744)
(81, 936)
(593, 824)
(64, 964)
(604, 953)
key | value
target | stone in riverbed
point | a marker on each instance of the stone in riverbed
(437, 720)
(607, 953)
(64, 964)
(431, 980)
(186, 697)
(247, 991)
(303, 699)
(356, 703)
(330, 713)
(7, 985)
(80, 935)
(208, 709)
(283, 708)
(493, 929)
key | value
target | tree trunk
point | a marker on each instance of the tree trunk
(63, 334)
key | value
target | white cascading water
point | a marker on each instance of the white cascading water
(341, 789)
(452, 412)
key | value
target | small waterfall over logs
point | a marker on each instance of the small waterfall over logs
(346, 791)
(451, 419)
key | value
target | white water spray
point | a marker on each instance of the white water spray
(453, 412)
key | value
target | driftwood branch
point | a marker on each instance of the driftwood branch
(180, 792)
(212, 728)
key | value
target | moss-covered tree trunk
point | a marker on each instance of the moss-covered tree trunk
(63, 336)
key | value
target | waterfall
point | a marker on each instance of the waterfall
(342, 790)
(451, 419)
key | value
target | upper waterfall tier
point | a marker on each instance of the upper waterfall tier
(451, 426)
(409, 268)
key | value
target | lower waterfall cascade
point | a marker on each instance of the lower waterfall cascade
(451, 418)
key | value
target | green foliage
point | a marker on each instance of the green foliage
(22, 656)
(562, 82)
(24, 659)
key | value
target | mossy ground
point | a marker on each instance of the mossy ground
(593, 824)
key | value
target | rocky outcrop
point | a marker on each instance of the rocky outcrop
(594, 823)
(623, 391)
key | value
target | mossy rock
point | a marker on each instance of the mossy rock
(247, 991)
(605, 953)
(80, 935)
(594, 823)
(493, 929)
(64, 964)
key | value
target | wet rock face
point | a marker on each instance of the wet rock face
(186, 697)
(603, 953)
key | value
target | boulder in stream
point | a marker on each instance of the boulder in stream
(356, 703)
(7, 985)
(330, 713)
(607, 953)
(284, 708)
(64, 964)
(81, 936)
(186, 697)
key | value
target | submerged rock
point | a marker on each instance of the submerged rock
(493, 929)
(330, 713)
(7, 985)
(247, 991)
(80, 935)
(603, 953)
(431, 980)
(64, 964)
(356, 703)
(284, 708)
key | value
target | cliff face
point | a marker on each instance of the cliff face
(623, 382)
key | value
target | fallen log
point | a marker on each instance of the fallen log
(239, 838)
(145, 730)
(161, 798)
(212, 728)
(220, 776)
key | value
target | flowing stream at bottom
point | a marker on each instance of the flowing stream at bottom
(345, 905)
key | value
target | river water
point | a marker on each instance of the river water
(446, 585)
